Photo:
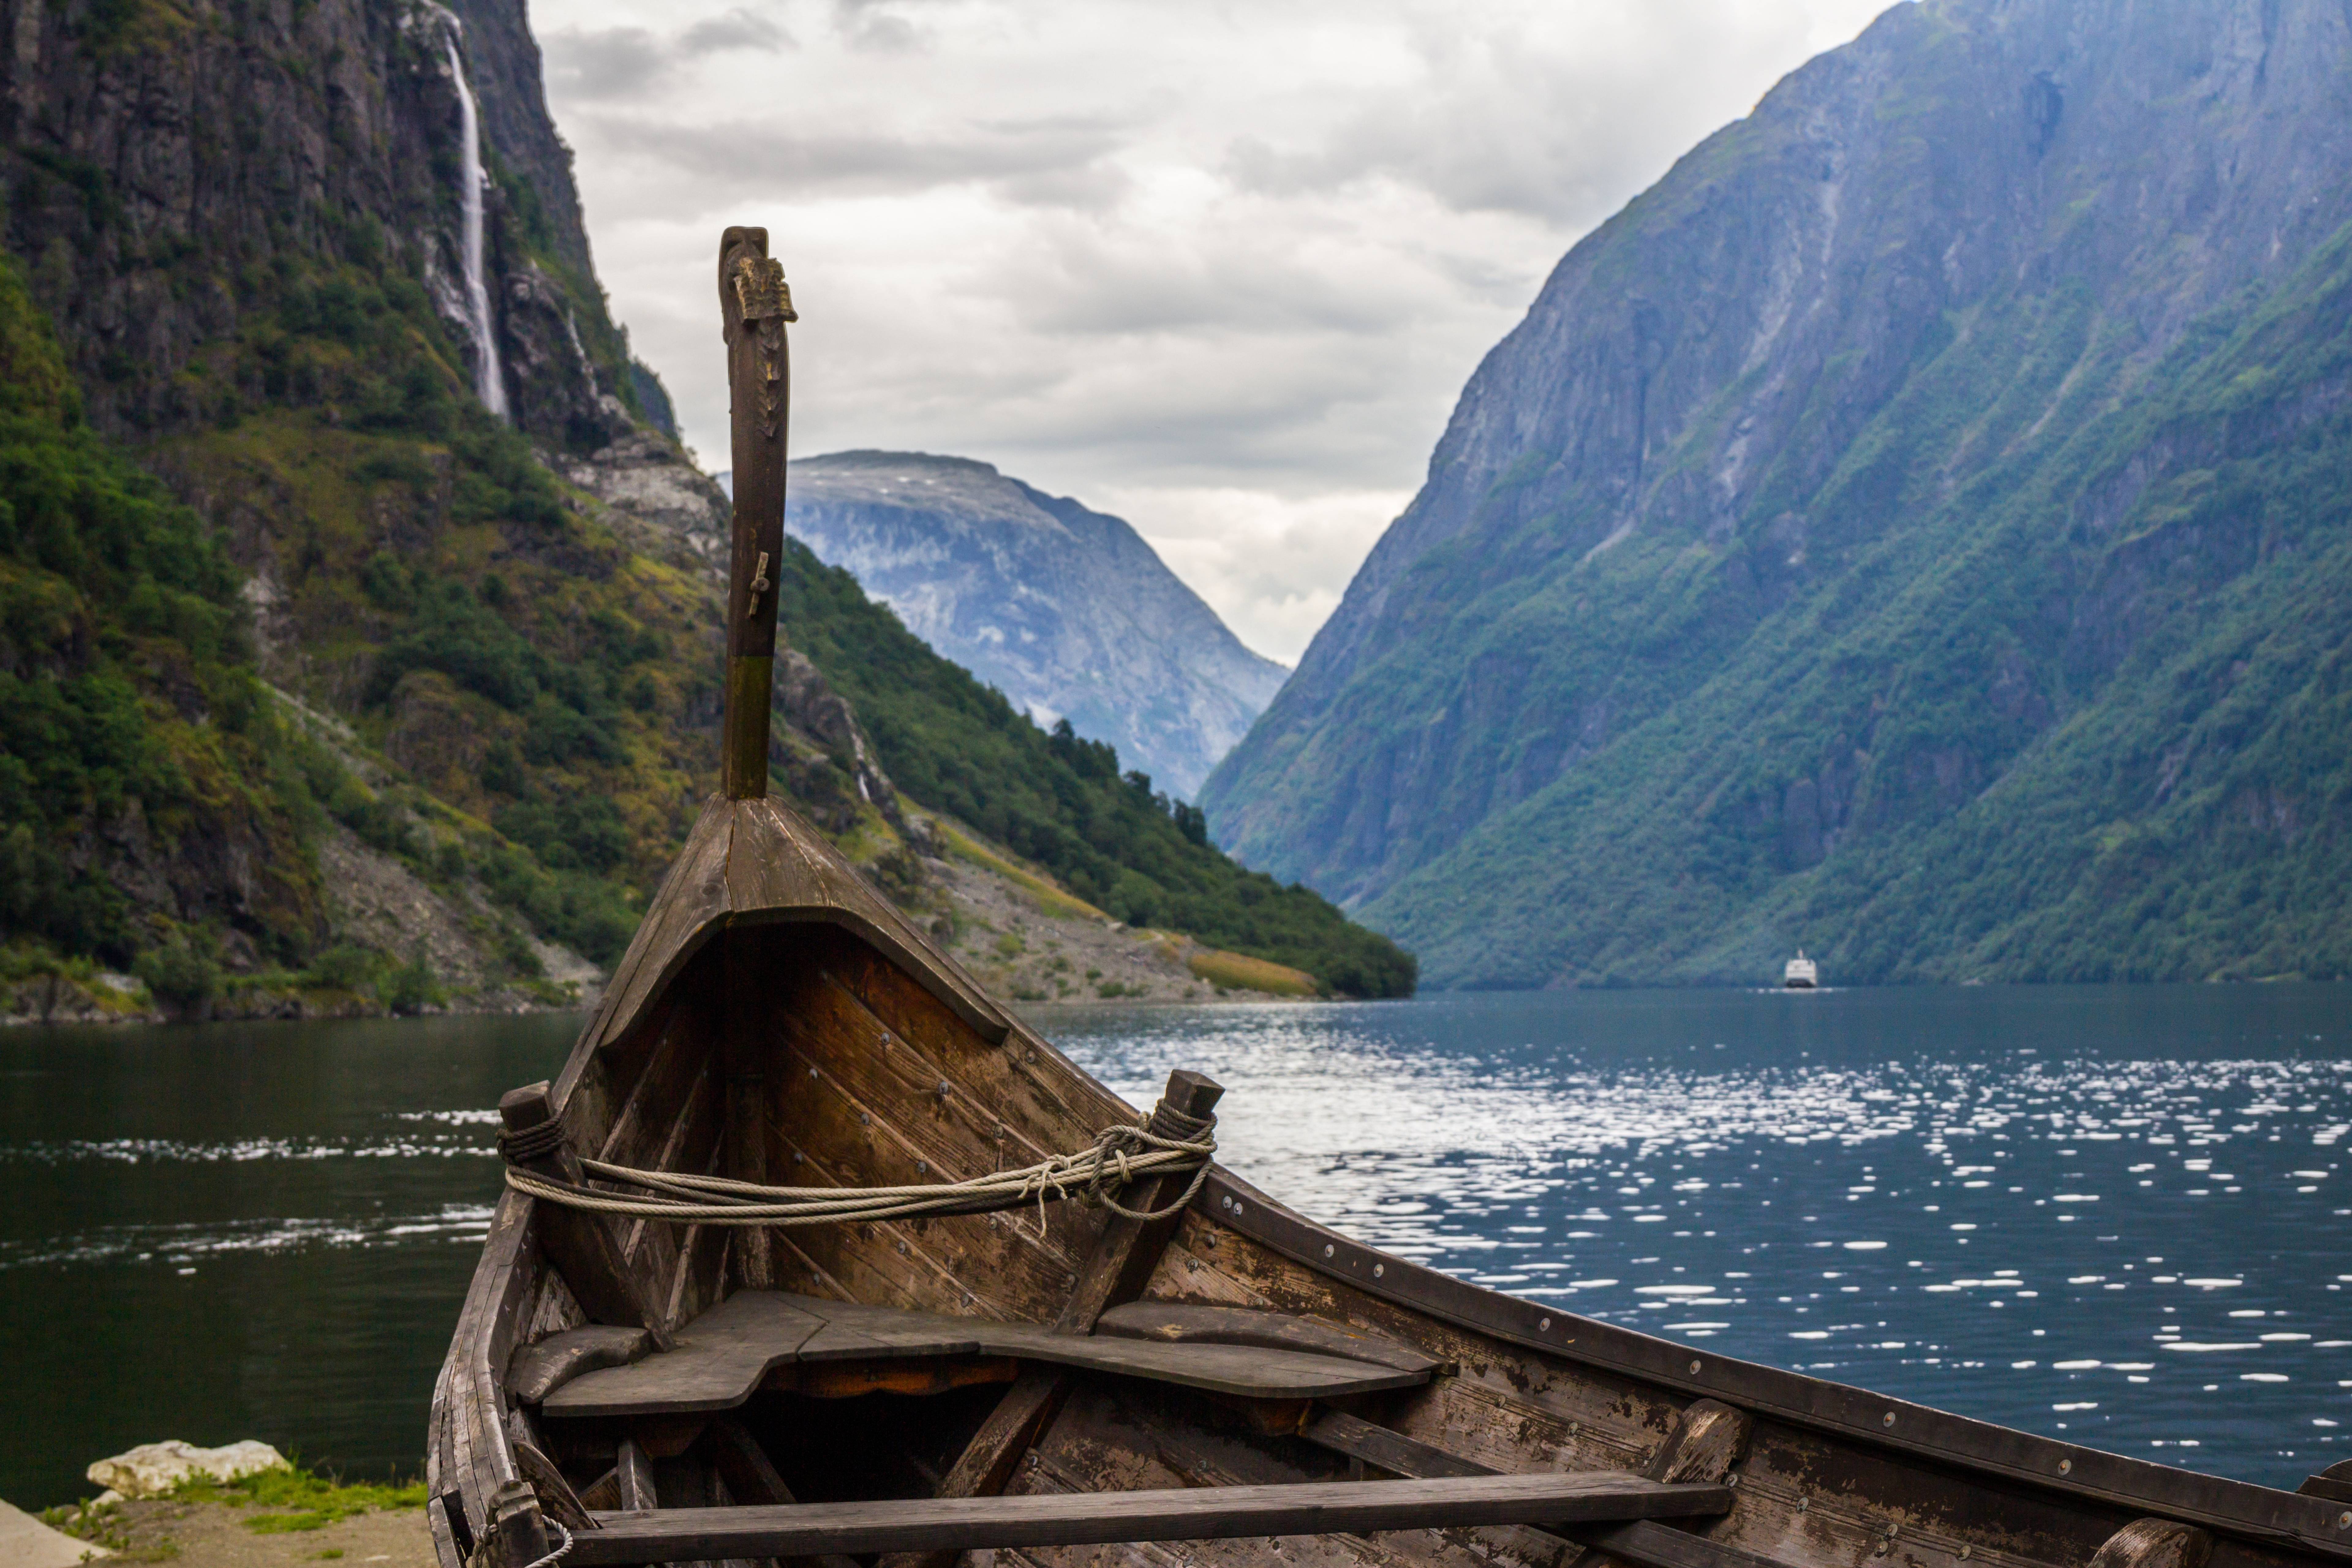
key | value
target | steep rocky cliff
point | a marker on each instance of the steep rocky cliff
(1912, 527)
(247, 224)
(1066, 610)
(359, 617)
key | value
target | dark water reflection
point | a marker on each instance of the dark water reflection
(233, 1231)
(1956, 1197)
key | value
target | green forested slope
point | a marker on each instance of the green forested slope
(533, 673)
(2186, 813)
(1910, 529)
(127, 691)
(961, 747)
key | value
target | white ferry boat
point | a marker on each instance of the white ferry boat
(1803, 974)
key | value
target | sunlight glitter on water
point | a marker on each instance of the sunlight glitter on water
(1999, 1231)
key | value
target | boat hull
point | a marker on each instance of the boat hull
(776, 1014)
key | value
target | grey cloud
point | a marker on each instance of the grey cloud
(789, 157)
(618, 64)
(605, 63)
(736, 29)
(873, 28)
(1507, 124)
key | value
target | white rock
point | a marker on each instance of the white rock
(153, 1470)
(26, 1542)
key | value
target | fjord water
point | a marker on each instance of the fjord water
(2113, 1214)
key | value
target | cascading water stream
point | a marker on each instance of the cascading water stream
(489, 383)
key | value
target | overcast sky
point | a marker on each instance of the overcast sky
(1219, 269)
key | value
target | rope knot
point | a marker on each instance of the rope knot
(532, 1142)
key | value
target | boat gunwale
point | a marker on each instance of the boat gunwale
(1965, 1443)
(1961, 1442)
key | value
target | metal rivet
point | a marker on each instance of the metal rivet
(2344, 1521)
(812, 1072)
(944, 1090)
(1967, 1551)
(922, 1167)
(1379, 1270)
(1804, 1504)
(863, 1119)
(2066, 1466)
(1327, 1249)
(1887, 1419)
(1237, 1205)
(1545, 1324)
(1225, 1203)
(798, 1156)
(1693, 1369)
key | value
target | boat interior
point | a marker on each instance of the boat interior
(1228, 1383)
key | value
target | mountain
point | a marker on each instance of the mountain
(359, 615)
(1917, 528)
(1067, 611)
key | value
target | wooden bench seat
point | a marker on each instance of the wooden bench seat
(1081, 1518)
(720, 1357)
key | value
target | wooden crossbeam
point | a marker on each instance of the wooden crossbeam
(1082, 1519)
(1642, 1543)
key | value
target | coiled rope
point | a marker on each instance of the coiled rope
(1093, 1175)
(552, 1558)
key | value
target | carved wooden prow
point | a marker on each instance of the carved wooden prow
(754, 303)
(580, 1245)
(1113, 1274)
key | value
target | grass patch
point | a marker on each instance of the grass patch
(1046, 896)
(1239, 972)
(300, 1499)
(107, 1527)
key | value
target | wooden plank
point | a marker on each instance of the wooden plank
(781, 865)
(1113, 1274)
(1997, 1455)
(1392, 1451)
(633, 1472)
(1185, 1323)
(745, 1054)
(539, 1370)
(581, 1246)
(723, 1356)
(1205, 1514)
(718, 1360)
(870, 1108)
(1704, 1444)
(1649, 1544)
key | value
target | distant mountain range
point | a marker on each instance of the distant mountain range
(1919, 528)
(1064, 609)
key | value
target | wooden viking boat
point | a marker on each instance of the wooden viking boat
(797, 1262)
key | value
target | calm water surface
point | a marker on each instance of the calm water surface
(2113, 1213)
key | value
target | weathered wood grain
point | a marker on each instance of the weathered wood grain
(539, 1369)
(721, 1358)
(2155, 1543)
(933, 1524)
(635, 1471)
(1176, 1322)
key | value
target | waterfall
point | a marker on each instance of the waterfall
(488, 383)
